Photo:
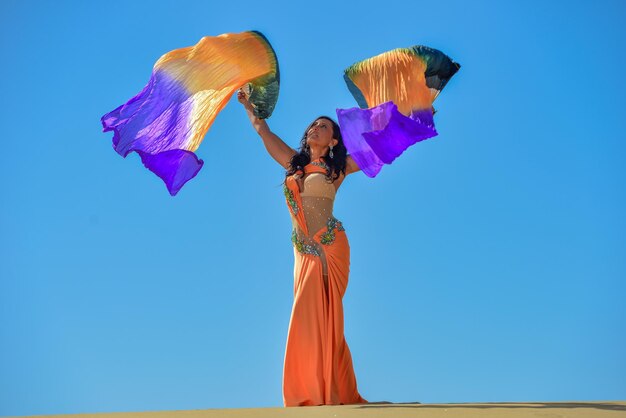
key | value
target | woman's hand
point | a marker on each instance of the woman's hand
(241, 96)
(244, 99)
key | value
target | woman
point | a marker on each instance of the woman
(318, 366)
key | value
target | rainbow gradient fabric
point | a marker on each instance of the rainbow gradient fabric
(395, 92)
(166, 122)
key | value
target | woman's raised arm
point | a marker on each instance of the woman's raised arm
(351, 166)
(275, 146)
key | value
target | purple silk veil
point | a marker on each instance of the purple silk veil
(378, 135)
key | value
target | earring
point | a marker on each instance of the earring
(330, 154)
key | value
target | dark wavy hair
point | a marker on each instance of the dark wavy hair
(336, 165)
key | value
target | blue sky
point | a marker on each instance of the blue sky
(487, 263)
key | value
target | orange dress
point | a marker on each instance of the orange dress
(318, 366)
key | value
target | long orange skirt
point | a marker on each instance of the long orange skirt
(318, 366)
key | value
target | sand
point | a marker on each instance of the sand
(566, 409)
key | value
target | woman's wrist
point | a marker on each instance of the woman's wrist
(249, 107)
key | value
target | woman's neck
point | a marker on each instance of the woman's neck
(316, 154)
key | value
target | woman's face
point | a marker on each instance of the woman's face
(320, 133)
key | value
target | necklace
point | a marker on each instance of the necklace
(319, 164)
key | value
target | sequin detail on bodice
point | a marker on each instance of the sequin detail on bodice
(311, 208)
(317, 185)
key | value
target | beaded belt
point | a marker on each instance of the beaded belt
(327, 238)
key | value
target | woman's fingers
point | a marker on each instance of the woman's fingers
(241, 96)
(244, 99)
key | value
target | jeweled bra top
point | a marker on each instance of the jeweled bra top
(317, 196)
(316, 184)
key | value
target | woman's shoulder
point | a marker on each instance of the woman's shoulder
(339, 180)
(351, 165)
